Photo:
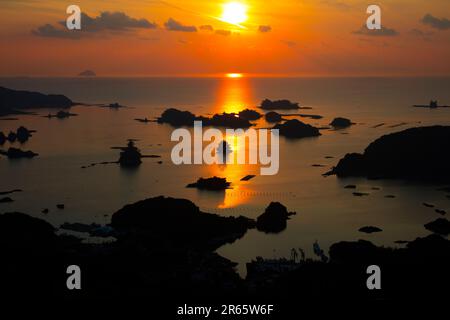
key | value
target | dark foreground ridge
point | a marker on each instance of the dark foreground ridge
(180, 222)
(164, 250)
(421, 153)
(13, 101)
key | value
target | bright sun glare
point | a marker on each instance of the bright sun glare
(234, 13)
(234, 75)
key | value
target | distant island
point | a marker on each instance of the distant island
(15, 101)
(87, 73)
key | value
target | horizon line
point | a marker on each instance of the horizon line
(242, 75)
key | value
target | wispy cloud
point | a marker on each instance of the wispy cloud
(50, 31)
(421, 34)
(336, 4)
(383, 32)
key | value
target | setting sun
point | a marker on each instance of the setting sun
(234, 13)
(234, 75)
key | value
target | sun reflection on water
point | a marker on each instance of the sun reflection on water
(234, 95)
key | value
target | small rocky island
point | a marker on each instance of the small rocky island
(249, 115)
(274, 218)
(14, 153)
(179, 118)
(278, 105)
(212, 184)
(369, 229)
(341, 123)
(297, 129)
(61, 115)
(130, 156)
(420, 153)
(115, 105)
(22, 134)
(273, 117)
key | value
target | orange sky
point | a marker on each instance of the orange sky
(306, 37)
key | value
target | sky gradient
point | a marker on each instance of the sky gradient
(171, 38)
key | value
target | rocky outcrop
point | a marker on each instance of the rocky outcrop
(15, 100)
(115, 105)
(274, 219)
(370, 229)
(178, 118)
(61, 115)
(249, 115)
(228, 120)
(417, 153)
(12, 137)
(278, 105)
(14, 153)
(130, 156)
(23, 134)
(273, 117)
(213, 184)
(297, 129)
(341, 123)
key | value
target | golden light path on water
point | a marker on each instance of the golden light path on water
(234, 95)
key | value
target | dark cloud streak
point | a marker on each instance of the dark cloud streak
(436, 23)
(264, 29)
(173, 25)
(105, 22)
